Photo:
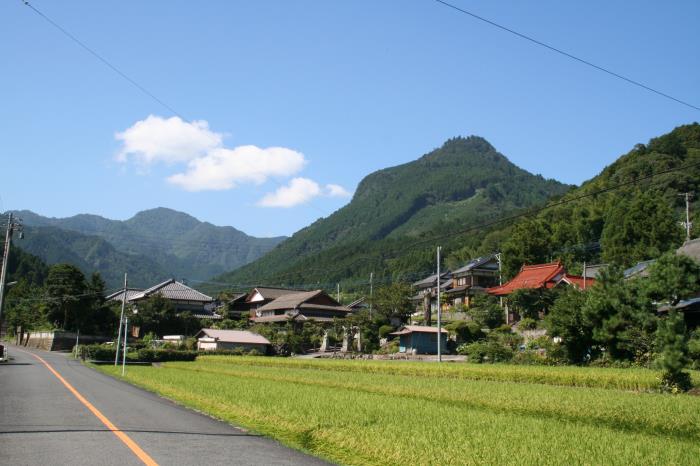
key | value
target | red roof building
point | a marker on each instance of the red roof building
(532, 276)
(578, 281)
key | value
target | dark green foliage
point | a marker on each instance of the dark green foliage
(567, 321)
(532, 303)
(393, 300)
(158, 315)
(639, 228)
(672, 353)
(490, 351)
(385, 330)
(529, 242)
(465, 332)
(622, 319)
(107, 353)
(486, 312)
(672, 278)
(24, 266)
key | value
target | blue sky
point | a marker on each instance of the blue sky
(340, 88)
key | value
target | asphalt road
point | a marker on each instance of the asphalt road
(43, 423)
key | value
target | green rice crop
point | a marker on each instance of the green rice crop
(360, 412)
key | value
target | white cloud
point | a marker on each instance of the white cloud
(170, 140)
(210, 165)
(224, 168)
(335, 190)
(298, 191)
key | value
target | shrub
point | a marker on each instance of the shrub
(107, 353)
(527, 323)
(486, 351)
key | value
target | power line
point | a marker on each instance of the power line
(102, 59)
(567, 54)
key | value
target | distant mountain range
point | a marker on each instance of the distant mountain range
(152, 245)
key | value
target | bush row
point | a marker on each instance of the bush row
(107, 353)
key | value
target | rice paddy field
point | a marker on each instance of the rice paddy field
(384, 412)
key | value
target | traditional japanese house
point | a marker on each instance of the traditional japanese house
(262, 295)
(472, 279)
(180, 295)
(314, 305)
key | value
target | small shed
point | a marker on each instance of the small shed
(420, 339)
(209, 339)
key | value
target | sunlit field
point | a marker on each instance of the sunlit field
(364, 412)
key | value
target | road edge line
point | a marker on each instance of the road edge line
(132, 445)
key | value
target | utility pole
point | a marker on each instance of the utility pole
(439, 309)
(11, 227)
(126, 330)
(500, 283)
(687, 223)
(121, 319)
(371, 293)
(584, 275)
(338, 290)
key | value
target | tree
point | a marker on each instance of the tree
(67, 296)
(531, 302)
(486, 312)
(567, 320)
(529, 243)
(622, 318)
(643, 227)
(157, 314)
(393, 301)
(672, 348)
(672, 278)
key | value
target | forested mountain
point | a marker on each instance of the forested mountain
(629, 221)
(153, 245)
(464, 182)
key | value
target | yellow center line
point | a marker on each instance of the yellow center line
(133, 446)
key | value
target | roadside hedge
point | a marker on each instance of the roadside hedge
(107, 353)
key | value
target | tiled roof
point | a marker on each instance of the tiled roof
(530, 276)
(272, 292)
(288, 317)
(119, 295)
(406, 329)
(233, 336)
(479, 261)
(296, 300)
(432, 280)
(172, 289)
(638, 269)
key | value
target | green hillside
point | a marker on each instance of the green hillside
(464, 182)
(635, 222)
(153, 245)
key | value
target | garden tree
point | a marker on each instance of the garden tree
(529, 243)
(68, 303)
(486, 311)
(672, 353)
(638, 228)
(157, 314)
(291, 337)
(622, 319)
(567, 320)
(672, 278)
(531, 302)
(393, 301)
(368, 328)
